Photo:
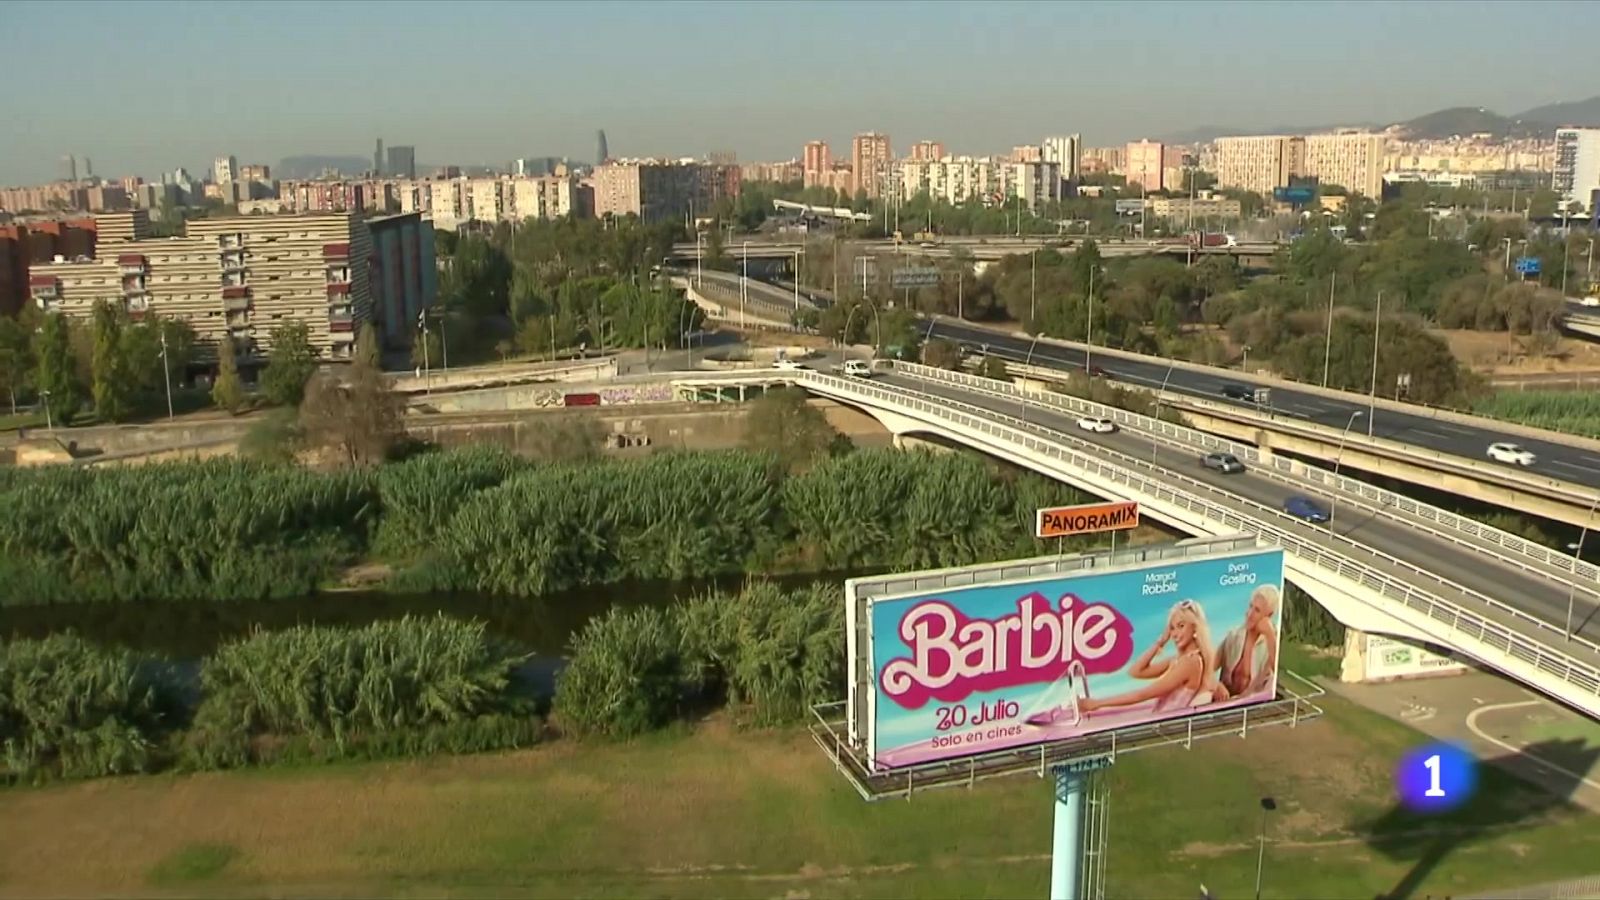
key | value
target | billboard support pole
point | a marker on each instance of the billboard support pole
(1069, 849)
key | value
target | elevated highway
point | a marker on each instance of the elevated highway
(1434, 448)
(1380, 568)
(990, 248)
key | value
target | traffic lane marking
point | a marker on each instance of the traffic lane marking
(1472, 725)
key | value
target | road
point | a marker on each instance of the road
(1542, 598)
(1554, 460)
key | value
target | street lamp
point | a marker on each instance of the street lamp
(744, 277)
(1354, 415)
(1244, 364)
(1033, 288)
(48, 423)
(1577, 554)
(166, 369)
(1027, 363)
(427, 372)
(1372, 394)
(1268, 805)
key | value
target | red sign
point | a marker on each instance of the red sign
(581, 399)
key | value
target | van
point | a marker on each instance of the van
(857, 368)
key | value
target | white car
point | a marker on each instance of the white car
(1511, 453)
(787, 365)
(857, 368)
(1097, 424)
(1590, 301)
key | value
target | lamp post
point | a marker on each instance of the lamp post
(1372, 394)
(1339, 457)
(1577, 554)
(1327, 347)
(427, 371)
(1244, 364)
(49, 424)
(1588, 266)
(1088, 343)
(166, 369)
(1033, 288)
(1507, 268)
(1027, 363)
(1267, 807)
(744, 277)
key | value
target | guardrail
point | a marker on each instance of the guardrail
(1445, 519)
(1267, 523)
(1381, 402)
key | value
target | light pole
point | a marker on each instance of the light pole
(1088, 343)
(1327, 348)
(1372, 394)
(743, 289)
(1033, 288)
(1507, 269)
(1267, 806)
(427, 372)
(797, 281)
(1339, 457)
(1588, 266)
(1027, 363)
(1577, 554)
(1244, 364)
(49, 424)
(166, 369)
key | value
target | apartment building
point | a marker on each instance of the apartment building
(872, 161)
(487, 200)
(544, 197)
(13, 268)
(1259, 163)
(133, 225)
(225, 169)
(777, 172)
(1145, 164)
(1026, 153)
(404, 277)
(1103, 159)
(238, 277)
(1033, 183)
(955, 179)
(1183, 209)
(1576, 178)
(927, 150)
(1065, 151)
(659, 190)
(1354, 161)
(816, 161)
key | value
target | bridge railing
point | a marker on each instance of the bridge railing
(1450, 526)
(1186, 493)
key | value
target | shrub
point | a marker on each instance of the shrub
(626, 677)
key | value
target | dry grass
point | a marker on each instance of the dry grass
(717, 812)
(1498, 353)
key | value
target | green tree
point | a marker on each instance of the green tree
(228, 390)
(359, 417)
(795, 433)
(113, 387)
(17, 365)
(143, 351)
(58, 382)
(426, 348)
(941, 354)
(994, 367)
(290, 364)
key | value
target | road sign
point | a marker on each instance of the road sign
(1129, 207)
(1528, 265)
(1087, 518)
(922, 276)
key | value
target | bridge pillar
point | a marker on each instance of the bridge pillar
(907, 442)
(1376, 658)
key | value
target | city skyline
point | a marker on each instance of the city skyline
(1006, 74)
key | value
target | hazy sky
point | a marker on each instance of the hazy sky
(144, 86)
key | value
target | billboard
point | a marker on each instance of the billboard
(1388, 658)
(1295, 196)
(1087, 518)
(1528, 265)
(1129, 207)
(914, 277)
(973, 669)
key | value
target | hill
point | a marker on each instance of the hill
(1573, 112)
(1464, 120)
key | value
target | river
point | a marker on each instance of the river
(190, 630)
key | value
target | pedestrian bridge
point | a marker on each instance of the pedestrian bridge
(1385, 565)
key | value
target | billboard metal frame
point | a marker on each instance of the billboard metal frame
(841, 728)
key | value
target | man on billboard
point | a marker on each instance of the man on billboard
(1247, 658)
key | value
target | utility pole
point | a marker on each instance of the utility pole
(1327, 350)
(1372, 397)
(166, 369)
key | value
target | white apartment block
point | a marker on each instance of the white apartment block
(486, 200)
(1258, 163)
(1577, 168)
(1065, 151)
(954, 179)
(446, 203)
(1353, 161)
(225, 169)
(543, 197)
(1033, 183)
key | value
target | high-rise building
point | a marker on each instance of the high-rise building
(403, 162)
(88, 169)
(133, 225)
(870, 160)
(954, 179)
(1353, 161)
(815, 163)
(1026, 153)
(922, 150)
(377, 159)
(658, 190)
(225, 169)
(404, 275)
(1576, 179)
(1259, 163)
(69, 167)
(1066, 152)
(1033, 183)
(238, 277)
(255, 173)
(1144, 165)
(602, 153)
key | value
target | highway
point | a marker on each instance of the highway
(988, 248)
(1544, 598)
(1554, 460)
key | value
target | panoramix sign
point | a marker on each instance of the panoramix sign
(1065, 521)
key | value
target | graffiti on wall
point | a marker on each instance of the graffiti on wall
(624, 396)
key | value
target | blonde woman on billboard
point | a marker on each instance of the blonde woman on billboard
(1247, 658)
(1183, 681)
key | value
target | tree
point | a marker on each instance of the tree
(360, 416)
(781, 423)
(228, 390)
(58, 381)
(290, 364)
(112, 386)
(941, 354)
(994, 367)
(17, 365)
(142, 349)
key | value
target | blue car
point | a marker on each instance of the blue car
(1306, 509)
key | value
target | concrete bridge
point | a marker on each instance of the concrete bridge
(1386, 564)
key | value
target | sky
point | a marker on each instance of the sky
(141, 87)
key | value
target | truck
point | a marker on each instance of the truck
(1211, 239)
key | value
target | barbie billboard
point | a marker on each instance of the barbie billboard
(976, 669)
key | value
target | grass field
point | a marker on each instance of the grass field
(1573, 412)
(713, 811)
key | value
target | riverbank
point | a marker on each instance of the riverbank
(710, 810)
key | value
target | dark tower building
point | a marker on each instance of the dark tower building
(377, 159)
(602, 155)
